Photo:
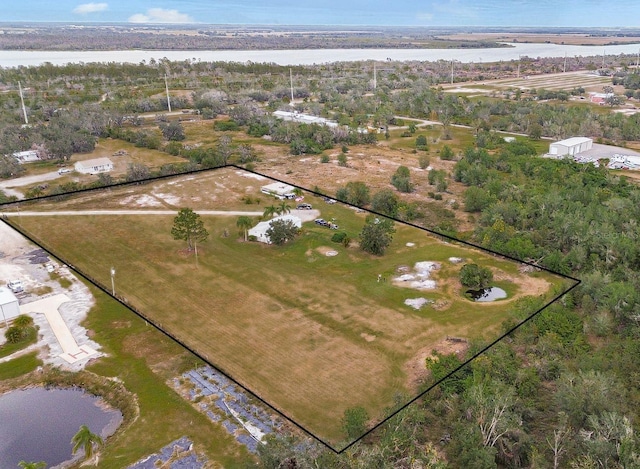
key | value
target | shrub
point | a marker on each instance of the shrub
(474, 276)
(339, 237)
(324, 159)
(226, 125)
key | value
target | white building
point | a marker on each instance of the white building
(260, 230)
(9, 307)
(571, 146)
(304, 118)
(26, 156)
(95, 166)
(279, 190)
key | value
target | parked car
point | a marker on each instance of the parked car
(321, 222)
(15, 286)
(64, 170)
(49, 267)
(304, 207)
(329, 201)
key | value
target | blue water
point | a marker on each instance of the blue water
(37, 424)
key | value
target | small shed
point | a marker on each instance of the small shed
(9, 306)
(95, 166)
(260, 230)
(571, 146)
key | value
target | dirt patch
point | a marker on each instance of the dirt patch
(416, 369)
(325, 250)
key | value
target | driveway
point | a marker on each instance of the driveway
(6, 186)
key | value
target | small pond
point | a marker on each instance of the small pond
(487, 294)
(37, 424)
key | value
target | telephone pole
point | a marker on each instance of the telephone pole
(24, 109)
(166, 86)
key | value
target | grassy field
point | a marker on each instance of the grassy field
(312, 335)
(145, 359)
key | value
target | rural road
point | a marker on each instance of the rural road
(6, 186)
(304, 215)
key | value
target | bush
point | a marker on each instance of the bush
(324, 159)
(226, 125)
(446, 153)
(339, 237)
(15, 334)
(342, 159)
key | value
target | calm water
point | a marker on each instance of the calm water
(487, 294)
(38, 424)
(309, 57)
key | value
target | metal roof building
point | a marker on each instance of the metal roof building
(9, 306)
(570, 146)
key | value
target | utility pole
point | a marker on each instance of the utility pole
(564, 70)
(113, 285)
(166, 86)
(24, 109)
(375, 77)
(452, 72)
(638, 61)
(291, 80)
(603, 53)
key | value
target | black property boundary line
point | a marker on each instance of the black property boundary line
(158, 326)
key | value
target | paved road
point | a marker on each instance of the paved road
(6, 186)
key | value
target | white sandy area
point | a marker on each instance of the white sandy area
(251, 175)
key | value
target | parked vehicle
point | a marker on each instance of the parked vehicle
(15, 286)
(304, 207)
(64, 170)
(321, 222)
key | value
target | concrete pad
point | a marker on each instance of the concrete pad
(49, 307)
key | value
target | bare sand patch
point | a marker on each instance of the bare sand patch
(416, 367)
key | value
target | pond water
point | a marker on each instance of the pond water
(487, 294)
(37, 424)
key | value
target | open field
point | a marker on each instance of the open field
(312, 335)
(552, 82)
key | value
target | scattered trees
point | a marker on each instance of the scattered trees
(401, 179)
(281, 231)
(86, 441)
(244, 223)
(188, 226)
(376, 236)
(475, 277)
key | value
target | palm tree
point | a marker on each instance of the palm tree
(86, 440)
(297, 191)
(270, 211)
(283, 208)
(23, 321)
(32, 465)
(244, 223)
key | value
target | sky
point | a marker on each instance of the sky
(523, 13)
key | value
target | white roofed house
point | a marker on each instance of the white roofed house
(9, 306)
(260, 230)
(95, 166)
(571, 146)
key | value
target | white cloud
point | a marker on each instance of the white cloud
(160, 15)
(87, 8)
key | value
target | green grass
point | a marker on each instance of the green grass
(19, 366)
(145, 359)
(8, 348)
(307, 317)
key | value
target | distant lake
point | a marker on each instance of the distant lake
(15, 58)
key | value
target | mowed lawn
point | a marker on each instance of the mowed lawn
(310, 334)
